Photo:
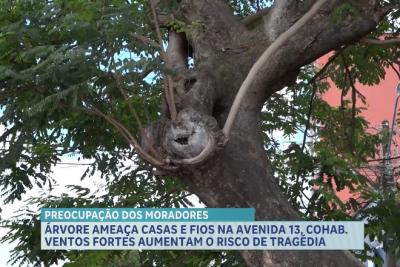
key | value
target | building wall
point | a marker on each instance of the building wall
(380, 102)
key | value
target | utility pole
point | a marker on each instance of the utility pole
(388, 185)
(387, 168)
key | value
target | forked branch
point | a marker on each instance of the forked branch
(263, 59)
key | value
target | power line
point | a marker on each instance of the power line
(381, 159)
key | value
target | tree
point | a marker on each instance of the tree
(83, 76)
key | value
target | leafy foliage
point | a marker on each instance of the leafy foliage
(58, 57)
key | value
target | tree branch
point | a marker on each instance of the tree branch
(313, 83)
(128, 137)
(394, 68)
(352, 81)
(394, 41)
(145, 40)
(168, 86)
(136, 116)
(263, 59)
(130, 106)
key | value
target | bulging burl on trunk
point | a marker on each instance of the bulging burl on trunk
(191, 139)
(190, 134)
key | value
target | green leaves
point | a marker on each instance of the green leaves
(383, 216)
(59, 57)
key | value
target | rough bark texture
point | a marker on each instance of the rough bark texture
(238, 172)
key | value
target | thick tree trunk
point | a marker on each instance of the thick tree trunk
(240, 176)
(238, 173)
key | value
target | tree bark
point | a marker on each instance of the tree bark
(238, 172)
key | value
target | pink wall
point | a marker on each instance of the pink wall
(380, 100)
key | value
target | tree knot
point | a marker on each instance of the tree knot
(192, 138)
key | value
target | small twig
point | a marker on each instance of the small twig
(381, 159)
(394, 68)
(140, 76)
(157, 25)
(327, 64)
(128, 136)
(313, 82)
(168, 86)
(100, 114)
(309, 114)
(353, 115)
(353, 102)
(144, 39)
(131, 108)
(136, 116)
